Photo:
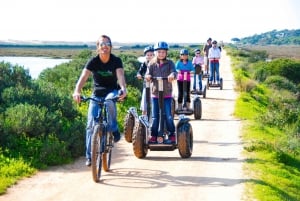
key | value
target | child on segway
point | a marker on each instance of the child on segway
(148, 53)
(197, 62)
(184, 65)
(160, 66)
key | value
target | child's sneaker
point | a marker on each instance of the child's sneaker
(153, 140)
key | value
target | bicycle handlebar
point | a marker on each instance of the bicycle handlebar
(102, 100)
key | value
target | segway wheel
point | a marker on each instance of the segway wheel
(221, 83)
(185, 140)
(197, 109)
(204, 92)
(139, 142)
(128, 127)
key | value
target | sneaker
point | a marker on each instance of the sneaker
(117, 136)
(153, 140)
(88, 162)
(187, 106)
(172, 139)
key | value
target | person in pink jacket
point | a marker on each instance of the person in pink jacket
(197, 62)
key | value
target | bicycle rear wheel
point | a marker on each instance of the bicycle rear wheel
(108, 152)
(96, 153)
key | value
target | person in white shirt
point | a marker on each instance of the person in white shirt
(214, 55)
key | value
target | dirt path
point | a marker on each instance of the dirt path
(214, 171)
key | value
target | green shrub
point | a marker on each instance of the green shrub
(25, 119)
(280, 82)
(11, 169)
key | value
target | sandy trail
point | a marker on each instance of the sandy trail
(214, 171)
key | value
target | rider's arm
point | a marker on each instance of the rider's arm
(142, 70)
(121, 80)
(173, 75)
(83, 77)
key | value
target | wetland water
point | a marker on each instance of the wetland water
(35, 65)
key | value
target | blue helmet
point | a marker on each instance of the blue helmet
(184, 51)
(161, 46)
(148, 49)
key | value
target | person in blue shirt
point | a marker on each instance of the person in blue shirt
(184, 65)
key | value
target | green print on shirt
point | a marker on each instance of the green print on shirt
(104, 73)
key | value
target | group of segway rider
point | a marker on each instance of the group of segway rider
(160, 71)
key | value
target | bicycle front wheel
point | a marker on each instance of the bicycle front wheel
(96, 153)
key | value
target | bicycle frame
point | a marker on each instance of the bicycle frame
(102, 140)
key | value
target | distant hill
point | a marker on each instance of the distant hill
(283, 37)
(80, 45)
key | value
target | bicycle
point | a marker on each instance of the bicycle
(102, 140)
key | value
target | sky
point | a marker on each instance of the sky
(173, 21)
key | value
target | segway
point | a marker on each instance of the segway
(132, 117)
(202, 92)
(214, 81)
(142, 133)
(206, 74)
(196, 106)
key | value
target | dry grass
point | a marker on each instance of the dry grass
(273, 51)
(67, 53)
(278, 51)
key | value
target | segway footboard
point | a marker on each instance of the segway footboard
(162, 147)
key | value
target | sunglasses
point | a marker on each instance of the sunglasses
(197, 52)
(105, 44)
(183, 54)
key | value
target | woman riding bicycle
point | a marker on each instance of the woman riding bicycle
(108, 77)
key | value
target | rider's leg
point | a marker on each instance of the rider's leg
(194, 84)
(188, 91)
(180, 93)
(143, 106)
(112, 112)
(206, 63)
(217, 66)
(155, 117)
(92, 114)
(211, 72)
(169, 118)
(200, 81)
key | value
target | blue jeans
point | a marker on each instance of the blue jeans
(199, 80)
(214, 68)
(92, 118)
(155, 116)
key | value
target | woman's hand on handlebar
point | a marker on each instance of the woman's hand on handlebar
(171, 78)
(148, 78)
(122, 95)
(76, 97)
